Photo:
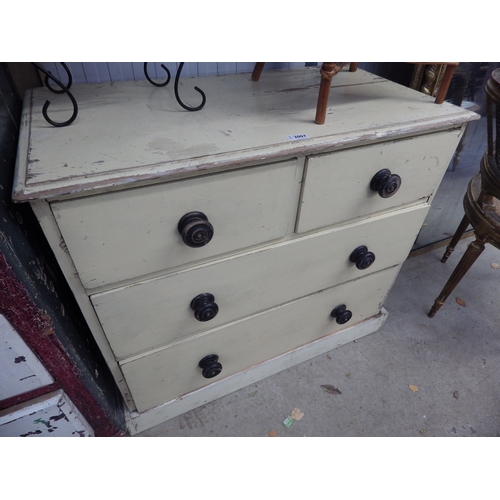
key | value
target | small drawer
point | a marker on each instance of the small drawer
(171, 372)
(337, 185)
(126, 234)
(156, 312)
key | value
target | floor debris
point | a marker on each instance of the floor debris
(414, 388)
(296, 414)
(460, 301)
(330, 389)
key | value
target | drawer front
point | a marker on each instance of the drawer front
(156, 312)
(169, 373)
(126, 234)
(337, 185)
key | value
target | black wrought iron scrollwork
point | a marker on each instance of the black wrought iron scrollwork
(176, 86)
(68, 85)
(63, 89)
(148, 78)
(176, 90)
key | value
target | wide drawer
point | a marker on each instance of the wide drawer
(156, 312)
(337, 185)
(121, 235)
(173, 371)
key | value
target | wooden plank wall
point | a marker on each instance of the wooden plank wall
(98, 72)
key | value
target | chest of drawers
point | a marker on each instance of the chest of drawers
(208, 250)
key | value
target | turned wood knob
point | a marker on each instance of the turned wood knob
(204, 307)
(362, 257)
(385, 183)
(210, 366)
(195, 229)
(341, 314)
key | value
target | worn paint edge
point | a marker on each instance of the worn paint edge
(161, 172)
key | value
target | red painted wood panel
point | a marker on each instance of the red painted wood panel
(37, 330)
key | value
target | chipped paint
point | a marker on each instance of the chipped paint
(42, 421)
(43, 416)
(247, 129)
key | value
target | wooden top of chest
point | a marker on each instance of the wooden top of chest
(132, 133)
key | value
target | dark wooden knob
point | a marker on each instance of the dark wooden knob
(362, 257)
(204, 307)
(385, 183)
(341, 314)
(210, 366)
(195, 229)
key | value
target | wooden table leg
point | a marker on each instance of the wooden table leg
(473, 251)
(464, 224)
(257, 71)
(328, 71)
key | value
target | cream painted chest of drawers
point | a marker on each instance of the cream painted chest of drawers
(208, 250)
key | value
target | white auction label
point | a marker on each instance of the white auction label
(297, 137)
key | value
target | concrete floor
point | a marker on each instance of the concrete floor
(452, 362)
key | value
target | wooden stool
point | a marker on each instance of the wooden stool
(330, 69)
(481, 202)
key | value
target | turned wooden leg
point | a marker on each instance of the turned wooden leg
(257, 71)
(456, 238)
(473, 251)
(353, 67)
(327, 73)
(445, 84)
